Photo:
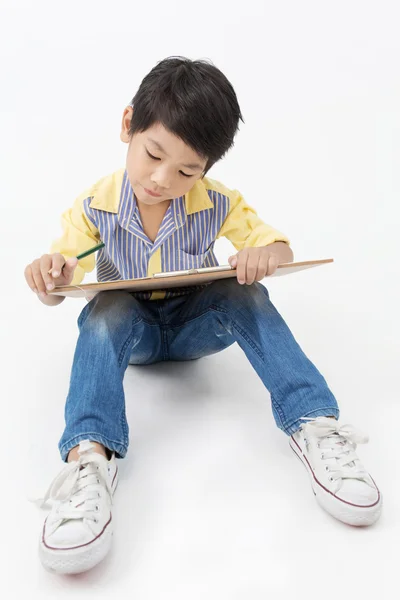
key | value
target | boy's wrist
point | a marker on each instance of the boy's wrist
(283, 251)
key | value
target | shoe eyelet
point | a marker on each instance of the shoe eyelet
(326, 468)
(98, 495)
(97, 508)
(96, 520)
(330, 478)
(322, 456)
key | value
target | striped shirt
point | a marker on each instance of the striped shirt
(109, 212)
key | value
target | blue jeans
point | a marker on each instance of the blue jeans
(116, 329)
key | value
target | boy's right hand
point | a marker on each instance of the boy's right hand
(37, 273)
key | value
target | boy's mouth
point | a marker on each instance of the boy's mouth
(153, 194)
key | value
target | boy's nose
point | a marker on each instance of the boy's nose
(161, 180)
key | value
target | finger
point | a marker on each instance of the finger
(232, 260)
(69, 268)
(58, 261)
(29, 278)
(273, 264)
(251, 268)
(45, 265)
(241, 267)
(262, 267)
(38, 279)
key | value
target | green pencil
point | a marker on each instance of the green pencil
(91, 250)
(87, 253)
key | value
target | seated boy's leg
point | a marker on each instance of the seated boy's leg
(245, 314)
(226, 311)
(111, 326)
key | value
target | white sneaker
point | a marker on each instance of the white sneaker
(78, 531)
(340, 483)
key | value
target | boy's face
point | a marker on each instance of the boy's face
(158, 162)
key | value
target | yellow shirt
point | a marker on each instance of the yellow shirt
(108, 212)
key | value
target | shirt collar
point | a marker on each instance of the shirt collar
(197, 198)
(127, 203)
(108, 192)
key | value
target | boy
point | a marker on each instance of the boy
(161, 213)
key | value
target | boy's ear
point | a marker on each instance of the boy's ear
(125, 125)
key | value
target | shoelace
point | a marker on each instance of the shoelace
(75, 488)
(340, 443)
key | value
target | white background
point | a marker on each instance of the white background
(211, 503)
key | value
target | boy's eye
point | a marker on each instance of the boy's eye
(151, 156)
(157, 158)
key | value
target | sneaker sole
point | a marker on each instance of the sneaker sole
(71, 561)
(76, 560)
(351, 514)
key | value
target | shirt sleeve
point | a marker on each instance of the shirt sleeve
(79, 235)
(244, 228)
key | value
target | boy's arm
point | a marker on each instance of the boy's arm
(261, 248)
(244, 228)
(79, 235)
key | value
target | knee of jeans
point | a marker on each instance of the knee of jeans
(243, 296)
(109, 310)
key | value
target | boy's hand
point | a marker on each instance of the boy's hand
(37, 273)
(253, 264)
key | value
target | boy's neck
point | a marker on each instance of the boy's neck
(159, 207)
(152, 216)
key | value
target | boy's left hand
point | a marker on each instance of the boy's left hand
(253, 264)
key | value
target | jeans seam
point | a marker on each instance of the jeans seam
(248, 340)
(128, 340)
(164, 334)
(165, 343)
(278, 411)
(124, 425)
(240, 331)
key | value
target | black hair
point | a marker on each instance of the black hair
(194, 101)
